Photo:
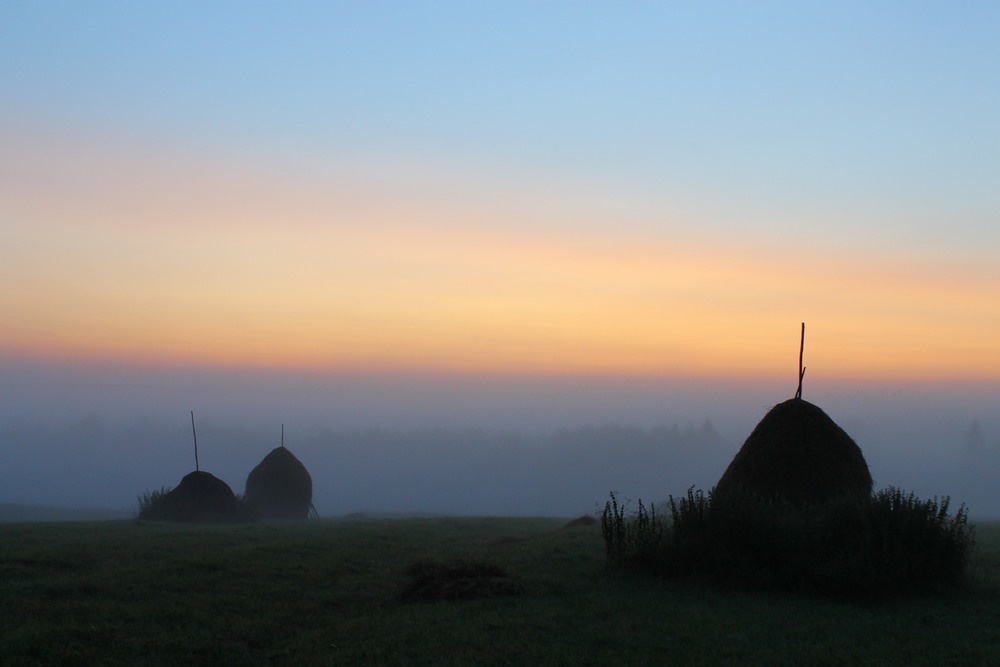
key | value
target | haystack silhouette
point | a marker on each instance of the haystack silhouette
(799, 454)
(200, 497)
(280, 487)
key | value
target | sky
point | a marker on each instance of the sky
(501, 213)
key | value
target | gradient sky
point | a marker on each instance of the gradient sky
(503, 187)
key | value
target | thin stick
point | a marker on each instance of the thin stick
(282, 435)
(802, 369)
(195, 434)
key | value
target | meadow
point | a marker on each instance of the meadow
(343, 592)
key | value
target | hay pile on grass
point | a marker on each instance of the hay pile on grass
(794, 510)
(799, 454)
(432, 581)
(200, 497)
(280, 487)
(585, 520)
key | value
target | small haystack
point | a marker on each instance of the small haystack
(200, 497)
(433, 581)
(798, 453)
(585, 520)
(280, 487)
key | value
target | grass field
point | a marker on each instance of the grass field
(328, 593)
(13, 512)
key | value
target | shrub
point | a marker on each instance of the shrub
(917, 540)
(889, 544)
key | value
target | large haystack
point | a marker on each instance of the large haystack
(200, 497)
(798, 453)
(280, 486)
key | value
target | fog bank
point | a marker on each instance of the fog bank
(86, 437)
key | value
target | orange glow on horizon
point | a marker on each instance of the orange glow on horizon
(478, 303)
(127, 261)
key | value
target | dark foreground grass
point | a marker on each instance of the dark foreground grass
(331, 593)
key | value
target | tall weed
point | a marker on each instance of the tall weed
(636, 540)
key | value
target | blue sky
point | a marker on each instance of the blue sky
(876, 103)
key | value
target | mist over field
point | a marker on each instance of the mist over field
(97, 437)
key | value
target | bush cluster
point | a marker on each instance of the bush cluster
(889, 543)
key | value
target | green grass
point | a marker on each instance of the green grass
(327, 593)
(14, 512)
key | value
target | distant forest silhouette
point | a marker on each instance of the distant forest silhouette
(93, 462)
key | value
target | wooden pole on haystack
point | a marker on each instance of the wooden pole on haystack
(282, 435)
(195, 434)
(802, 369)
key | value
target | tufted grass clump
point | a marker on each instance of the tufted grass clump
(888, 544)
(150, 504)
